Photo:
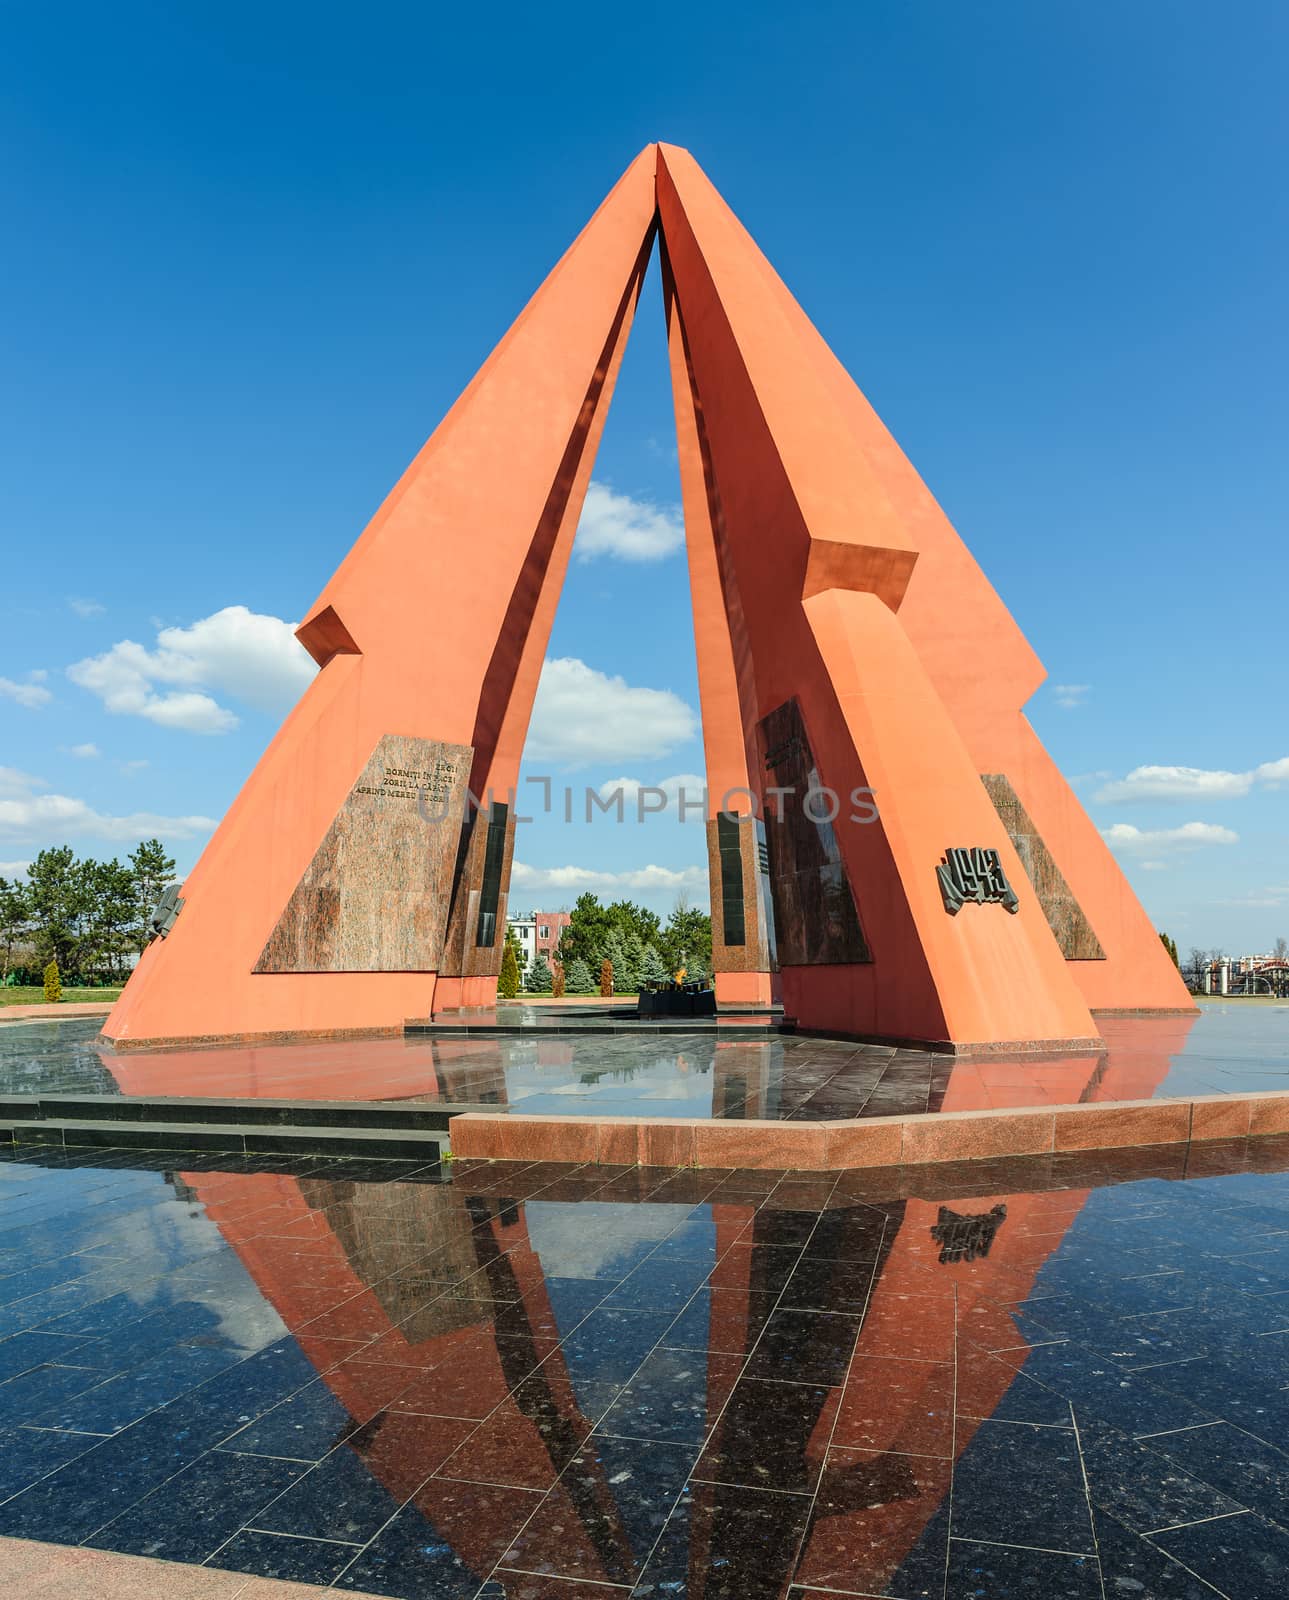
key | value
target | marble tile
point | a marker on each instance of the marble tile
(269, 1555)
(1007, 1573)
(1242, 1556)
(602, 1518)
(1020, 1484)
(804, 1347)
(868, 1504)
(725, 1320)
(440, 1542)
(738, 1544)
(676, 1396)
(192, 1514)
(1142, 1487)
(769, 1437)
(905, 1406)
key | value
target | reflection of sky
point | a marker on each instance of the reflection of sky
(583, 1243)
(650, 1079)
(1236, 1048)
(136, 1248)
(573, 1244)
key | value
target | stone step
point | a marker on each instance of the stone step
(415, 1143)
(423, 1116)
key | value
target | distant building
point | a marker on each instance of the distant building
(537, 933)
(1247, 975)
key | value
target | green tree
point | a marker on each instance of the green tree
(630, 918)
(687, 937)
(624, 974)
(151, 869)
(108, 936)
(508, 982)
(578, 977)
(15, 919)
(60, 891)
(53, 984)
(652, 967)
(540, 977)
(588, 928)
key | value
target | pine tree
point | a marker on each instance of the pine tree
(578, 977)
(539, 976)
(1171, 946)
(53, 984)
(557, 982)
(652, 969)
(508, 981)
(606, 977)
(615, 950)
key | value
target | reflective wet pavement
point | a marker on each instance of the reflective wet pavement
(1228, 1048)
(1055, 1377)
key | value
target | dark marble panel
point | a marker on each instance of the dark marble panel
(305, 1427)
(815, 921)
(375, 896)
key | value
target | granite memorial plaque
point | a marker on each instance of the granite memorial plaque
(1064, 914)
(375, 896)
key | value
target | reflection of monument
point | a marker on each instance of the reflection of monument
(438, 1306)
(870, 770)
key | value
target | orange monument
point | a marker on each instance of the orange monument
(885, 828)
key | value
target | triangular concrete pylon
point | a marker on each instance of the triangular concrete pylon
(847, 642)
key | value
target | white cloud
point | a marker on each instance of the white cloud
(29, 815)
(1191, 783)
(1071, 695)
(583, 715)
(633, 530)
(579, 879)
(13, 869)
(31, 694)
(86, 608)
(253, 658)
(1123, 836)
(686, 786)
(87, 752)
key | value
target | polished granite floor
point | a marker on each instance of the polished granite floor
(1228, 1048)
(1060, 1377)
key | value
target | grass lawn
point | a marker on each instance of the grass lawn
(34, 995)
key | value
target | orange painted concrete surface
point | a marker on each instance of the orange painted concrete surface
(867, 1141)
(821, 570)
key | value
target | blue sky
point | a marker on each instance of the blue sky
(256, 251)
